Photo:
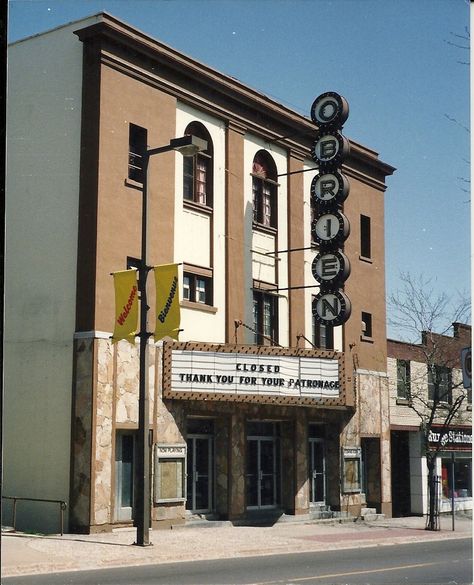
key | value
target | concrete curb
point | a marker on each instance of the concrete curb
(25, 554)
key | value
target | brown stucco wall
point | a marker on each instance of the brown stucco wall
(111, 206)
(234, 218)
(296, 230)
(365, 286)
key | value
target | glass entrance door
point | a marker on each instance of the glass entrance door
(317, 471)
(200, 462)
(262, 475)
(124, 475)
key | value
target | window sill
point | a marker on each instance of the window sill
(133, 184)
(366, 339)
(259, 227)
(366, 259)
(403, 402)
(198, 307)
(197, 207)
(440, 404)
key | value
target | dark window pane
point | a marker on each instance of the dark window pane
(188, 178)
(137, 145)
(365, 245)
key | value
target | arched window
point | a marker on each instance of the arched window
(198, 169)
(264, 190)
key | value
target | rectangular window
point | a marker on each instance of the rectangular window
(265, 318)
(196, 179)
(365, 244)
(403, 379)
(323, 335)
(197, 285)
(188, 178)
(187, 287)
(264, 202)
(366, 325)
(440, 388)
(462, 485)
(137, 146)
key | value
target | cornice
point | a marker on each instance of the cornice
(155, 63)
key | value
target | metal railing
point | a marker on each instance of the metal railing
(62, 508)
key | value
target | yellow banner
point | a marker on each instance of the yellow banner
(126, 305)
(168, 315)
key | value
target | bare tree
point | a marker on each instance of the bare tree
(433, 393)
(462, 42)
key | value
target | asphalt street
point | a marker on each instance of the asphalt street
(447, 562)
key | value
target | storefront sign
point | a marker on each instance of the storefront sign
(220, 372)
(466, 365)
(330, 226)
(451, 439)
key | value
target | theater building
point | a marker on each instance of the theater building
(258, 409)
(411, 384)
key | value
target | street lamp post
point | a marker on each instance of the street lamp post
(187, 146)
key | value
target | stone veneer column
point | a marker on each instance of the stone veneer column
(237, 444)
(301, 464)
(296, 229)
(222, 465)
(235, 215)
(80, 496)
(385, 457)
(288, 464)
(102, 509)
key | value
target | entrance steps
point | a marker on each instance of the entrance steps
(319, 514)
(370, 515)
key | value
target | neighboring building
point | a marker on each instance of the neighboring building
(412, 389)
(84, 99)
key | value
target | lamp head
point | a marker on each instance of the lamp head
(188, 145)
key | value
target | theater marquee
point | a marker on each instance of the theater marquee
(252, 374)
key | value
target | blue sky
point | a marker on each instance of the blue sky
(393, 60)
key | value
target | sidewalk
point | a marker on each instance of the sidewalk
(25, 554)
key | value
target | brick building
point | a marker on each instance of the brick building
(412, 384)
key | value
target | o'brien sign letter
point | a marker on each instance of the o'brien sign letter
(330, 110)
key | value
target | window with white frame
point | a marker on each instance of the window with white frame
(197, 285)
